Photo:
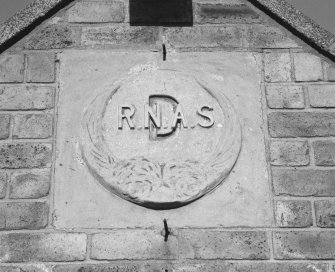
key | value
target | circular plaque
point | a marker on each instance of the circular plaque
(161, 138)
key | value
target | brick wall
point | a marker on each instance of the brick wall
(299, 102)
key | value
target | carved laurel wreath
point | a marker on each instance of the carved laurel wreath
(140, 180)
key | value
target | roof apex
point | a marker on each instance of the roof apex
(298, 23)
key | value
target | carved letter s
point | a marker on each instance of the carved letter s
(206, 116)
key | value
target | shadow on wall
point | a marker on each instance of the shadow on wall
(160, 12)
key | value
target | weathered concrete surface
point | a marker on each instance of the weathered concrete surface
(80, 201)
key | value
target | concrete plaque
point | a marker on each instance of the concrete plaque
(133, 129)
(161, 138)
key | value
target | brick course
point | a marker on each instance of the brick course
(29, 184)
(307, 67)
(125, 245)
(289, 153)
(301, 124)
(277, 67)
(33, 126)
(293, 213)
(4, 126)
(204, 37)
(313, 245)
(322, 96)
(97, 12)
(25, 155)
(324, 153)
(325, 213)
(206, 244)
(285, 97)
(43, 247)
(297, 182)
(18, 97)
(41, 67)
(11, 68)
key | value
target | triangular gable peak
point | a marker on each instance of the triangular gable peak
(23, 22)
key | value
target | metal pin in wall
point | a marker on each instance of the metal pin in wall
(164, 52)
(166, 229)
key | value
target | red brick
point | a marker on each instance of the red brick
(194, 266)
(325, 213)
(285, 97)
(56, 36)
(301, 124)
(29, 184)
(264, 36)
(32, 126)
(204, 37)
(120, 36)
(293, 213)
(310, 245)
(322, 96)
(41, 67)
(25, 155)
(11, 68)
(4, 126)
(230, 245)
(307, 67)
(297, 182)
(289, 153)
(97, 12)
(26, 97)
(44, 247)
(26, 215)
(123, 244)
(277, 67)
(218, 13)
(324, 153)
(3, 184)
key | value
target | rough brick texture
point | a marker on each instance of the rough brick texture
(265, 36)
(330, 71)
(3, 184)
(120, 36)
(301, 124)
(325, 213)
(44, 247)
(289, 153)
(53, 37)
(277, 67)
(324, 153)
(11, 68)
(124, 245)
(25, 155)
(297, 182)
(97, 12)
(206, 244)
(307, 67)
(41, 67)
(29, 215)
(26, 97)
(322, 96)
(293, 213)
(33, 126)
(194, 266)
(4, 126)
(311, 245)
(218, 13)
(204, 37)
(29, 184)
(285, 97)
